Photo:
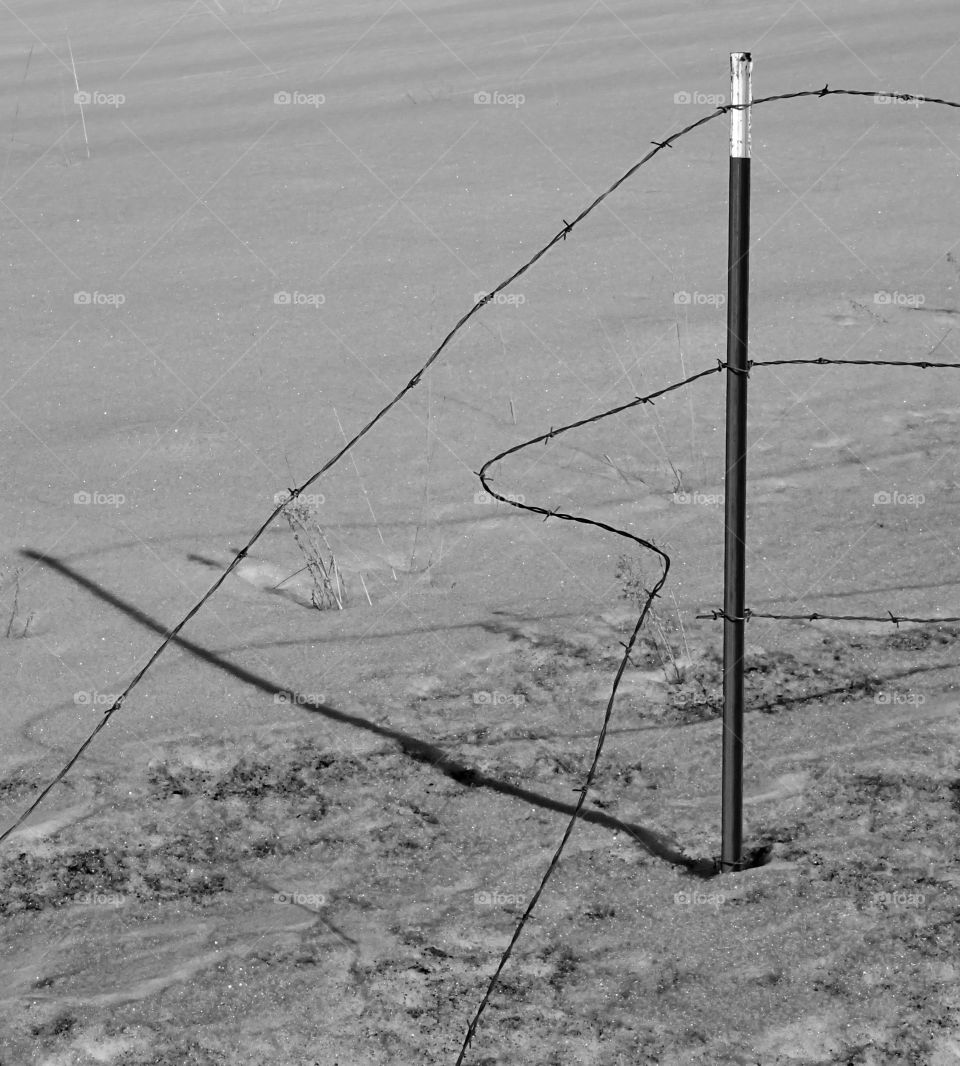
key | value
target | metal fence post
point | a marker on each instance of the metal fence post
(735, 484)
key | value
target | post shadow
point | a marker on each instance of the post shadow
(422, 751)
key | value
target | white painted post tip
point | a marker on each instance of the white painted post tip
(741, 93)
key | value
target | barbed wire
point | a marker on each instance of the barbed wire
(716, 613)
(544, 438)
(568, 227)
(922, 364)
(654, 592)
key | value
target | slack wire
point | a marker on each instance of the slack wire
(171, 635)
(652, 594)
(701, 867)
(492, 984)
